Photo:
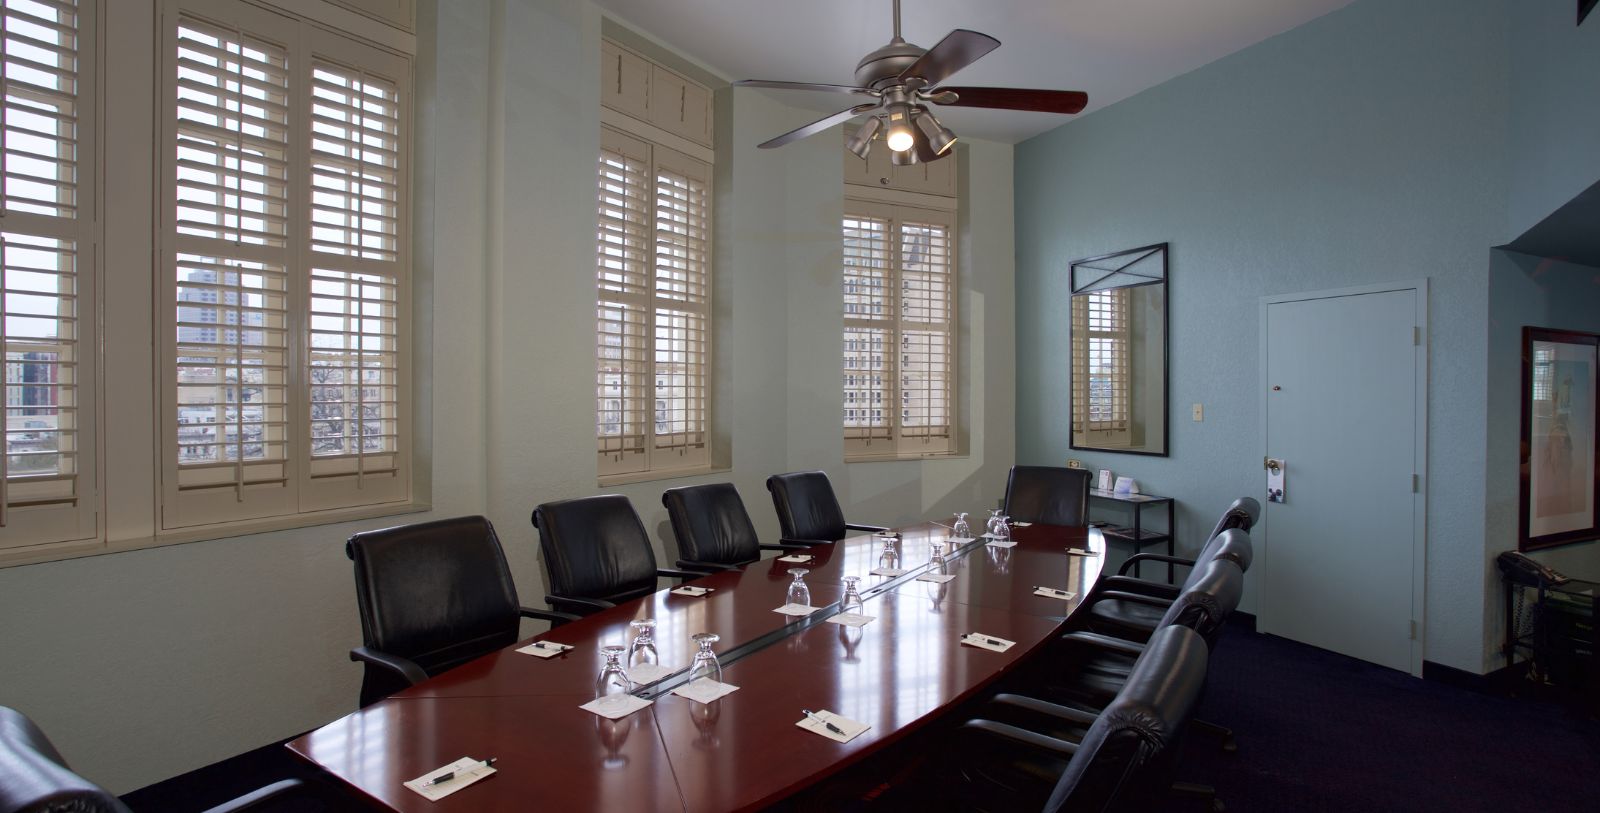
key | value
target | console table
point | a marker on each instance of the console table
(1137, 535)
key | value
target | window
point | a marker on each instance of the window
(899, 333)
(1101, 350)
(653, 308)
(283, 248)
(48, 242)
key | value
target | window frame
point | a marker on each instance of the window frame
(894, 442)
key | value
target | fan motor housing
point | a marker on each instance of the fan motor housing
(886, 63)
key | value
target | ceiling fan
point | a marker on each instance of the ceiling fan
(900, 80)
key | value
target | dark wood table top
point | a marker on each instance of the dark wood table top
(743, 751)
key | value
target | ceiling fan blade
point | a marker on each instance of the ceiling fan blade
(1044, 101)
(957, 50)
(764, 83)
(817, 126)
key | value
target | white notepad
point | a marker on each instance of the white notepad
(705, 690)
(466, 769)
(988, 642)
(850, 727)
(1079, 552)
(1051, 592)
(544, 649)
(615, 707)
(852, 619)
(996, 543)
(797, 609)
(887, 571)
(796, 558)
(936, 578)
(690, 590)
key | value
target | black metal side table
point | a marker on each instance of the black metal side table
(1137, 535)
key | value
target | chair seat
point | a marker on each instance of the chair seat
(1128, 620)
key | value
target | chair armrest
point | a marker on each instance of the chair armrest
(804, 543)
(787, 544)
(855, 526)
(1010, 734)
(705, 568)
(1037, 706)
(584, 605)
(1136, 598)
(547, 615)
(1152, 557)
(1160, 590)
(1095, 639)
(405, 668)
(253, 799)
(675, 573)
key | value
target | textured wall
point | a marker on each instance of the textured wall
(1555, 108)
(1363, 147)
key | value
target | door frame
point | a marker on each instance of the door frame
(1419, 512)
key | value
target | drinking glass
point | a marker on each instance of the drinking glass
(852, 598)
(643, 650)
(994, 521)
(962, 529)
(891, 554)
(705, 665)
(1003, 528)
(799, 593)
(614, 683)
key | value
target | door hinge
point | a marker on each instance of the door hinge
(1416, 335)
(1416, 484)
(1413, 630)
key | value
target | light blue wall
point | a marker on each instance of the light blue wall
(1540, 292)
(1366, 146)
(1555, 108)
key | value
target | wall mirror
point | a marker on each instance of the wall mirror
(1119, 352)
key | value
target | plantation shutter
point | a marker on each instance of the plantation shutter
(623, 307)
(681, 310)
(47, 244)
(927, 289)
(868, 334)
(1100, 370)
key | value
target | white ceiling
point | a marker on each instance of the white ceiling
(1110, 48)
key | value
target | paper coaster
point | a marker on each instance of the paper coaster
(1051, 592)
(615, 707)
(544, 649)
(995, 543)
(852, 619)
(466, 769)
(705, 690)
(687, 590)
(1020, 524)
(797, 609)
(796, 558)
(1077, 552)
(851, 728)
(887, 571)
(648, 672)
(960, 540)
(936, 578)
(988, 536)
(988, 642)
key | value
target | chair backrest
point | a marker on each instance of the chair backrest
(1210, 595)
(596, 547)
(1124, 761)
(1241, 514)
(35, 779)
(711, 524)
(437, 593)
(806, 506)
(1232, 544)
(1047, 494)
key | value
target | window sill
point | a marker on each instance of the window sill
(664, 474)
(892, 458)
(38, 554)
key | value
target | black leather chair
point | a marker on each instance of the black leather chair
(1122, 760)
(1132, 608)
(1241, 514)
(1047, 494)
(598, 554)
(808, 511)
(714, 531)
(35, 779)
(432, 597)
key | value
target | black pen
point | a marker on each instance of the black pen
(985, 639)
(449, 775)
(830, 726)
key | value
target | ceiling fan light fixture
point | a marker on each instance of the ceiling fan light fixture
(904, 159)
(939, 136)
(861, 142)
(900, 137)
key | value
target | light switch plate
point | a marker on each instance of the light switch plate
(1199, 412)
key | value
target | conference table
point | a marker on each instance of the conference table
(744, 751)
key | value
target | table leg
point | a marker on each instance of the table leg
(1138, 543)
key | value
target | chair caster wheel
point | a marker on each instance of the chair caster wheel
(1230, 746)
(1217, 806)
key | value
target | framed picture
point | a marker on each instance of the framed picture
(1560, 446)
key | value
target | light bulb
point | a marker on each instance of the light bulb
(900, 138)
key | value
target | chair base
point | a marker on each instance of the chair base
(1229, 744)
(1205, 793)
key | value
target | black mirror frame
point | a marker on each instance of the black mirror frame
(1109, 265)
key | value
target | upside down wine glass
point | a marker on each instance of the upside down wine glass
(705, 665)
(852, 603)
(614, 683)
(962, 528)
(891, 556)
(799, 593)
(643, 650)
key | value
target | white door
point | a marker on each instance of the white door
(1343, 410)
